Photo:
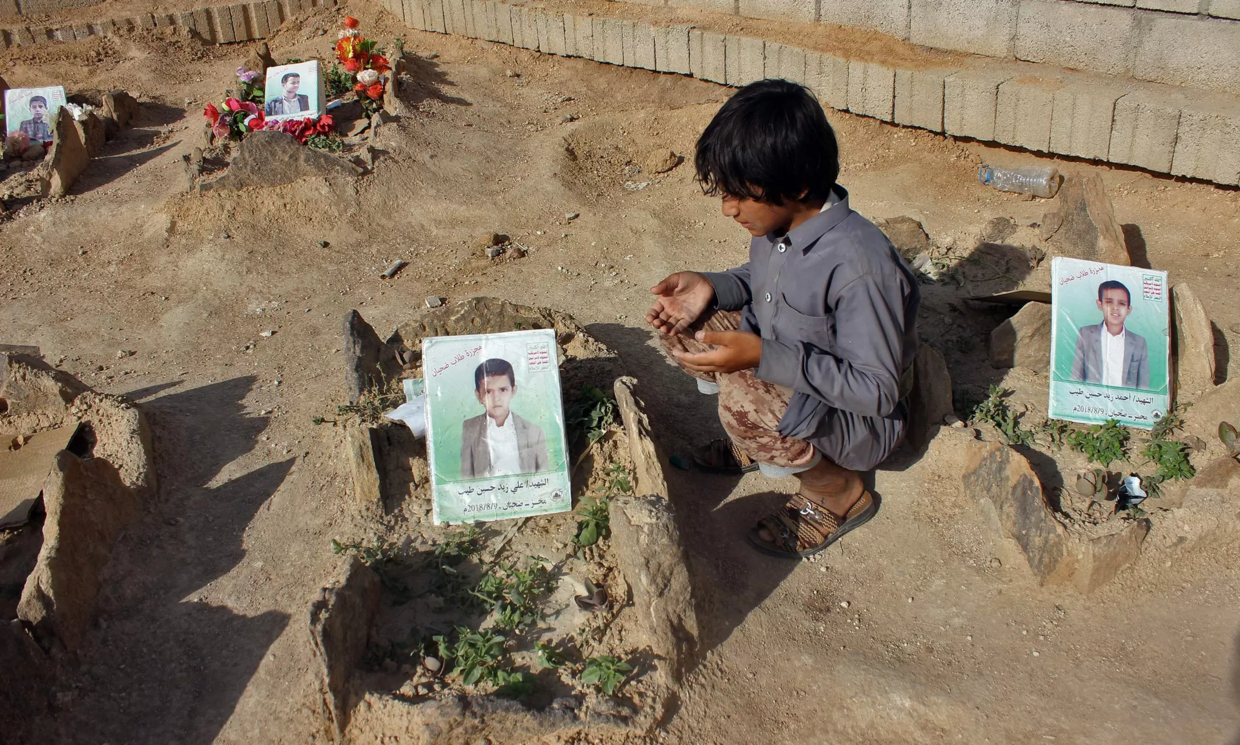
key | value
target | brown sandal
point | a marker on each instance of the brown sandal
(722, 456)
(804, 528)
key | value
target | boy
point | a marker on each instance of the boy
(1107, 353)
(498, 442)
(292, 102)
(36, 127)
(810, 344)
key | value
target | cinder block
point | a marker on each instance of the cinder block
(1195, 52)
(22, 36)
(81, 32)
(1225, 9)
(798, 11)
(970, 98)
(433, 12)
(919, 98)
(1207, 144)
(708, 56)
(1023, 114)
(583, 27)
(1125, 3)
(1081, 119)
(789, 63)
(503, 23)
(518, 28)
(275, 14)
(221, 21)
(671, 49)
(164, 20)
(557, 34)
(492, 12)
(827, 76)
(1171, 6)
(471, 22)
(609, 40)
(744, 60)
(186, 20)
(871, 90)
(147, 20)
(639, 45)
(1144, 131)
(572, 37)
(891, 17)
(39, 34)
(63, 34)
(454, 16)
(107, 27)
(261, 28)
(241, 27)
(543, 29)
(714, 6)
(977, 26)
(1084, 37)
(414, 17)
(529, 29)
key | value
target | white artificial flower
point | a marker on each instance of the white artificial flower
(368, 77)
(348, 32)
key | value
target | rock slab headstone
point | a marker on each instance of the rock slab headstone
(1024, 340)
(266, 159)
(340, 621)
(69, 157)
(1192, 343)
(1084, 225)
(931, 399)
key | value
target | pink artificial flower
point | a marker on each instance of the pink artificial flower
(233, 104)
(220, 128)
(248, 107)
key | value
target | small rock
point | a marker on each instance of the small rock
(1024, 340)
(568, 118)
(512, 73)
(952, 420)
(845, 604)
(323, 244)
(486, 240)
(494, 252)
(1192, 347)
(225, 235)
(572, 216)
(662, 162)
(433, 302)
(267, 334)
(922, 263)
(34, 152)
(432, 664)
(123, 353)
(995, 563)
(906, 234)
(998, 230)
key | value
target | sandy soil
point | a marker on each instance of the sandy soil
(921, 628)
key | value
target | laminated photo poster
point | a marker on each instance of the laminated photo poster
(1110, 343)
(495, 426)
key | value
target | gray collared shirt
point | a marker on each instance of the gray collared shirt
(836, 308)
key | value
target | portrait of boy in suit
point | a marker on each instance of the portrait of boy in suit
(498, 442)
(291, 102)
(1107, 353)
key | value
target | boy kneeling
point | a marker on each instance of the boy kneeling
(810, 344)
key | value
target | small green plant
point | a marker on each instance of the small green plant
(512, 593)
(458, 546)
(1171, 458)
(996, 411)
(293, 60)
(398, 46)
(591, 416)
(475, 655)
(338, 81)
(327, 143)
(1056, 433)
(514, 685)
(548, 656)
(595, 522)
(1170, 423)
(1101, 443)
(372, 555)
(605, 673)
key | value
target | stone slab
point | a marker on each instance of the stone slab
(639, 46)
(1024, 340)
(1207, 144)
(871, 90)
(976, 26)
(1195, 52)
(240, 24)
(797, 11)
(827, 76)
(1023, 111)
(1081, 120)
(890, 17)
(610, 32)
(919, 98)
(1192, 344)
(671, 49)
(970, 101)
(745, 60)
(583, 30)
(708, 56)
(1225, 9)
(221, 21)
(1083, 37)
(1144, 131)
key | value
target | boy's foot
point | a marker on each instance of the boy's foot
(722, 456)
(804, 528)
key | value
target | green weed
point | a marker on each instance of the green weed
(475, 655)
(548, 656)
(338, 81)
(996, 411)
(595, 522)
(327, 143)
(605, 673)
(591, 416)
(1101, 443)
(513, 593)
(1056, 433)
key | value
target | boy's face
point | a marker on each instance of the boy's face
(37, 110)
(760, 218)
(496, 394)
(291, 85)
(1115, 309)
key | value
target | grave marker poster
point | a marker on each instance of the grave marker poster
(495, 426)
(33, 111)
(1110, 343)
(293, 91)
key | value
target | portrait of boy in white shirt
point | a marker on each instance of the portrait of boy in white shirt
(498, 442)
(1108, 353)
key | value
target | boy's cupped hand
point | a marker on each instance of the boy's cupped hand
(733, 350)
(682, 298)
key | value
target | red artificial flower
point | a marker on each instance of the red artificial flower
(255, 121)
(212, 113)
(233, 104)
(248, 107)
(324, 125)
(375, 91)
(379, 64)
(353, 65)
(350, 22)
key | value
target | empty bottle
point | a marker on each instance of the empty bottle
(1040, 181)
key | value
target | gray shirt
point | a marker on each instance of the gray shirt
(836, 308)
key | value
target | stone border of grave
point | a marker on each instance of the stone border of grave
(645, 544)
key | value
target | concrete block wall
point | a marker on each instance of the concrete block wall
(1039, 108)
(219, 24)
(1192, 43)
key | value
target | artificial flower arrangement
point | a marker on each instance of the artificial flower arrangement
(363, 58)
(244, 113)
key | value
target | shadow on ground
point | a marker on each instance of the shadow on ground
(162, 654)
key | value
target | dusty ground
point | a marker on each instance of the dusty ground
(945, 636)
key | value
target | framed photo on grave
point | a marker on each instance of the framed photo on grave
(33, 111)
(1110, 343)
(496, 440)
(294, 91)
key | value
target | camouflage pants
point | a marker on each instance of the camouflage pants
(749, 408)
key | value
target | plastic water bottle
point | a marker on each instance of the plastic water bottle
(1040, 181)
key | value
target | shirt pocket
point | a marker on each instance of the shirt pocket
(820, 330)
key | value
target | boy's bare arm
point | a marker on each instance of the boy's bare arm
(734, 350)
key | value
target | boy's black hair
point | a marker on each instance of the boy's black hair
(771, 141)
(40, 99)
(288, 75)
(494, 366)
(1111, 284)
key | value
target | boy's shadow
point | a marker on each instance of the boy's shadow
(729, 577)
